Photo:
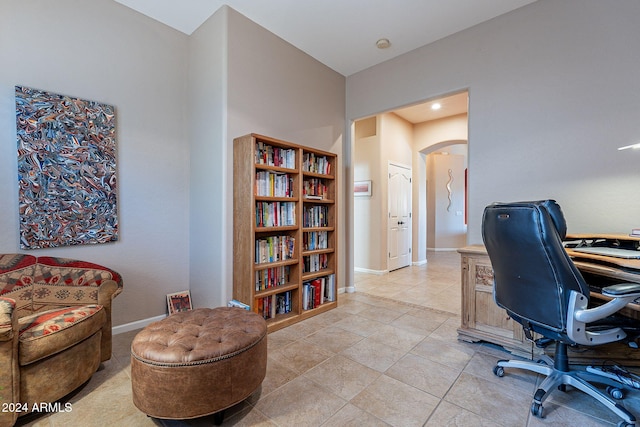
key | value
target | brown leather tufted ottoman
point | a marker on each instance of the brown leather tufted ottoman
(198, 362)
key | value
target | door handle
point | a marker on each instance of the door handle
(400, 222)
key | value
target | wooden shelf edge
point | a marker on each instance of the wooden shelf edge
(258, 266)
(318, 251)
(318, 175)
(309, 229)
(275, 229)
(262, 166)
(276, 290)
(315, 274)
(318, 201)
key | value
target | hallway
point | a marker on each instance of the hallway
(434, 285)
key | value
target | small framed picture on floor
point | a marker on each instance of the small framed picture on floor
(179, 301)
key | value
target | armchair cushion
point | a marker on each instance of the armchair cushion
(45, 333)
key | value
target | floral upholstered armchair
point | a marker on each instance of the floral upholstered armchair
(55, 328)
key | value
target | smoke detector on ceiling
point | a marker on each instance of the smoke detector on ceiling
(383, 43)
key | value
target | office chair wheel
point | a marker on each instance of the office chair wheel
(615, 392)
(498, 371)
(536, 409)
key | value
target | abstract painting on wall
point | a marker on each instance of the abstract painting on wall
(66, 170)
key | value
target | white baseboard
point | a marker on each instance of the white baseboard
(366, 270)
(138, 324)
(418, 263)
(442, 249)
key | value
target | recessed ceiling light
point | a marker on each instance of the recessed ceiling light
(436, 106)
(383, 43)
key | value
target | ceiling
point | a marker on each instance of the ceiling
(449, 106)
(341, 34)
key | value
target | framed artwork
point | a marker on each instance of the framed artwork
(179, 301)
(66, 170)
(362, 188)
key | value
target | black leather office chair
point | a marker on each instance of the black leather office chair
(539, 286)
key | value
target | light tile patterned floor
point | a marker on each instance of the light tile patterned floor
(387, 356)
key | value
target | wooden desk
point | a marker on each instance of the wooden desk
(483, 320)
(600, 271)
(612, 240)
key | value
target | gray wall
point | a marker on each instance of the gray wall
(103, 51)
(553, 92)
(207, 88)
(267, 86)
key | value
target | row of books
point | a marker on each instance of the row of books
(275, 214)
(274, 184)
(318, 291)
(315, 262)
(274, 249)
(315, 216)
(313, 240)
(316, 164)
(269, 307)
(275, 156)
(315, 188)
(272, 277)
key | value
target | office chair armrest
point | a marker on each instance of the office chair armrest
(622, 290)
(622, 294)
(578, 316)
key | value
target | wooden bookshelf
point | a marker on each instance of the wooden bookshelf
(284, 229)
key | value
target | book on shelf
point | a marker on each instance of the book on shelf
(314, 188)
(275, 214)
(306, 299)
(274, 248)
(314, 240)
(318, 291)
(315, 262)
(330, 288)
(273, 184)
(315, 216)
(267, 154)
(272, 277)
(316, 164)
(273, 305)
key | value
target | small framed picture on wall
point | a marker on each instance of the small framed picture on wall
(179, 301)
(362, 188)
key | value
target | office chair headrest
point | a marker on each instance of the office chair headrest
(555, 212)
(552, 208)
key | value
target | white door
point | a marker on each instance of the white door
(399, 218)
